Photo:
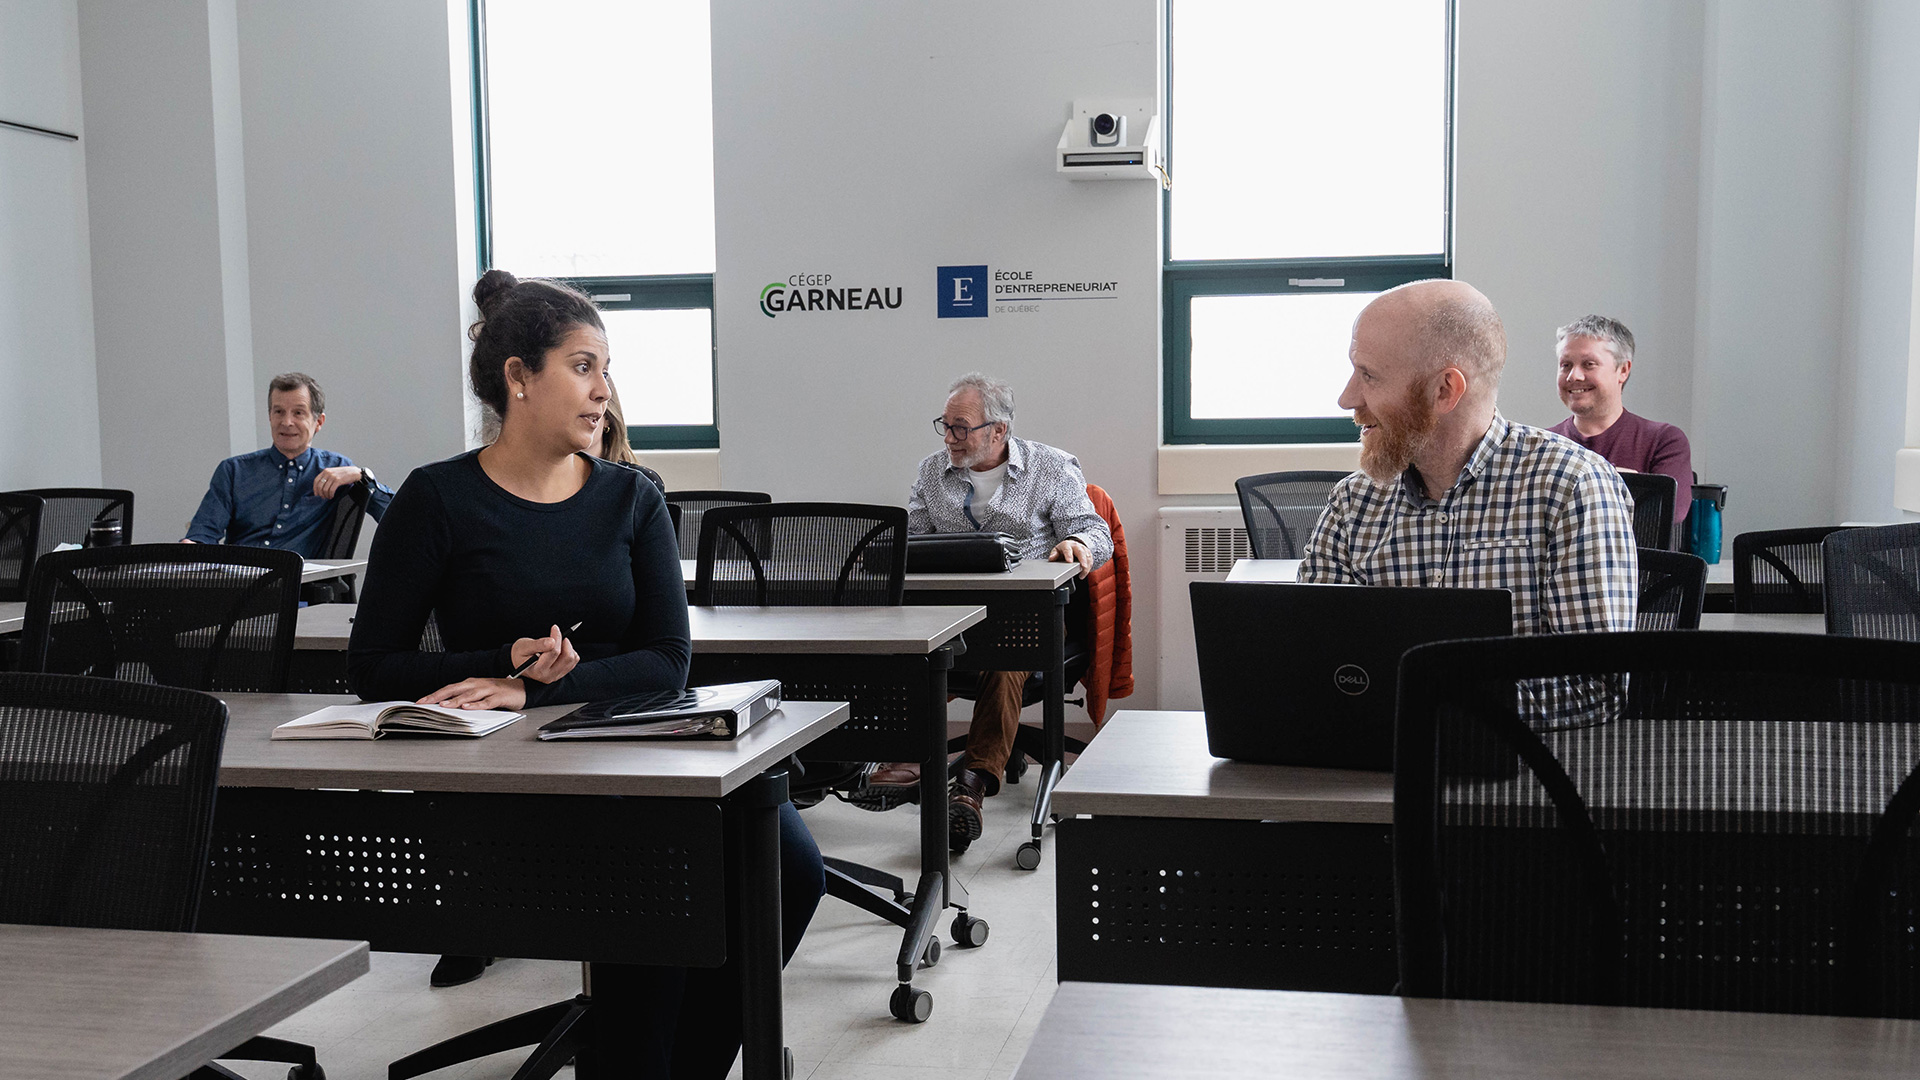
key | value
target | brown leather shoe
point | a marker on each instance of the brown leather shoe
(882, 786)
(965, 817)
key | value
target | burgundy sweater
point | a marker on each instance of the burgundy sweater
(1643, 445)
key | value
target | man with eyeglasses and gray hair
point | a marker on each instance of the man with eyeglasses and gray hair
(986, 480)
(1596, 358)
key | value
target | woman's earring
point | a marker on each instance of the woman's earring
(522, 396)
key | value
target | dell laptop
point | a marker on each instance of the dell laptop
(1308, 674)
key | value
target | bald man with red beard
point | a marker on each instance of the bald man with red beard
(1451, 493)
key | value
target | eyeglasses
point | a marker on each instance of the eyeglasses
(963, 432)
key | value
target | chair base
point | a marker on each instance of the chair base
(265, 1048)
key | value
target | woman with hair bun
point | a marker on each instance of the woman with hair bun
(508, 544)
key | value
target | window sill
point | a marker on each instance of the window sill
(684, 470)
(1211, 470)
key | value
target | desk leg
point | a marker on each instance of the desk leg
(1053, 713)
(758, 898)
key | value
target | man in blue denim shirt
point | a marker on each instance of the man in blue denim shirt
(281, 497)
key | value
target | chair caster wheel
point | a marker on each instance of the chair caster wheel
(910, 1005)
(932, 955)
(1016, 768)
(1028, 857)
(905, 900)
(301, 1072)
(969, 932)
(786, 1062)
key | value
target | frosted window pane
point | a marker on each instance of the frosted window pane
(600, 116)
(662, 361)
(1272, 356)
(1308, 129)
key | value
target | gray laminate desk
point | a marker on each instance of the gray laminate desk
(506, 846)
(141, 1005)
(889, 663)
(13, 616)
(1179, 867)
(1773, 623)
(1120, 1032)
(1287, 570)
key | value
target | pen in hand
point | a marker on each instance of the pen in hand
(535, 658)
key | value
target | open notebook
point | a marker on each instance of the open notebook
(374, 719)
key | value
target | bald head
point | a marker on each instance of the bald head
(1435, 324)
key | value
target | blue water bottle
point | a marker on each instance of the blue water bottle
(1703, 521)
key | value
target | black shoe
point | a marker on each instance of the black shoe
(454, 970)
(965, 817)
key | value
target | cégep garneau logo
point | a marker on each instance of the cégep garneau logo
(814, 292)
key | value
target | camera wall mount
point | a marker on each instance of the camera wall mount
(1110, 139)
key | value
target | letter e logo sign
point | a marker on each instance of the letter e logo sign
(962, 292)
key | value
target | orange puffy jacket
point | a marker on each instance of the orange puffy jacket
(1109, 618)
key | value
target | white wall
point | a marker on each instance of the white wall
(171, 344)
(1880, 240)
(351, 186)
(879, 142)
(49, 420)
(1577, 184)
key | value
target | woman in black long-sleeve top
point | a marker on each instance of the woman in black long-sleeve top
(506, 546)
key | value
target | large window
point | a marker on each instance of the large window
(1309, 147)
(594, 120)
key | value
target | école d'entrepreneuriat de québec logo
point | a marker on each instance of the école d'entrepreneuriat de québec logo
(815, 292)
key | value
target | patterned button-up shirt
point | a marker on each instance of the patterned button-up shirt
(1043, 501)
(1531, 512)
(266, 499)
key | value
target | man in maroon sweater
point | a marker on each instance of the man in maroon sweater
(1596, 356)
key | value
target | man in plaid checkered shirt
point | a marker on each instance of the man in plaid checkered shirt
(1451, 493)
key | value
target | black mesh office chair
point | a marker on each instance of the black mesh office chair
(71, 511)
(694, 504)
(1733, 832)
(1653, 495)
(1873, 582)
(106, 813)
(204, 617)
(1673, 589)
(1281, 509)
(20, 515)
(1779, 571)
(339, 541)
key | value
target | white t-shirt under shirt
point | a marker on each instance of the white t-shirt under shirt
(986, 483)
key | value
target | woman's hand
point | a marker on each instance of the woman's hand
(480, 694)
(556, 656)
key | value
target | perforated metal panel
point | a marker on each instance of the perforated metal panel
(887, 696)
(1012, 637)
(567, 877)
(1262, 905)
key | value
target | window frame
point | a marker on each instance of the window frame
(1184, 279)
(651, 292)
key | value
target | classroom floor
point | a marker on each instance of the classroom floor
(987, 1002)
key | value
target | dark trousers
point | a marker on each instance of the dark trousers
(690, 1025)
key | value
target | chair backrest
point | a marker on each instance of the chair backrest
(1653, 496)
(792, 554)
(1673, 589)
(200, 616)
(106, 801)
(1281, 509)
(19, 541)
(1780, 571)
(1873, 582)
(693, 504)
(1733, 832)
(349, 513)
(71, 510)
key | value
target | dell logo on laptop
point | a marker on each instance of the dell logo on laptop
(1351, 679)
